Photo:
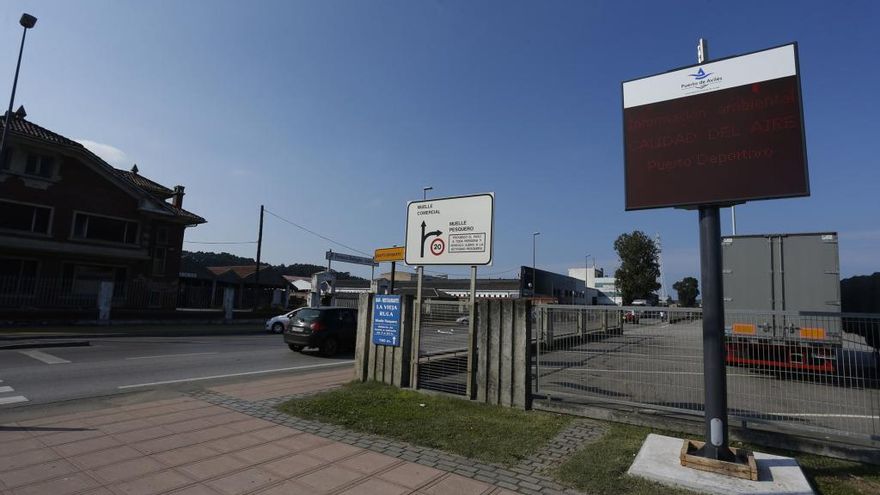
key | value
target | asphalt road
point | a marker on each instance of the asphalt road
(660, 364)
(115, 365)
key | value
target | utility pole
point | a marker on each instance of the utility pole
(257, 291)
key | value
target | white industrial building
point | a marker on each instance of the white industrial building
(595, 279)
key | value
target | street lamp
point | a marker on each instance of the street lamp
(586, 269)
(27, 21)
(425, 192)
(534, 273)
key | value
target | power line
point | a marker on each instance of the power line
(317, 234)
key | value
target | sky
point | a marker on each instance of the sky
(333, 114)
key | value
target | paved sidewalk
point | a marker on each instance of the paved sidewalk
(189, 446)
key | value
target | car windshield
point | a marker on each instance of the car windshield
(308, 314)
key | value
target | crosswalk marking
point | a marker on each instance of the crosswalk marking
(44, 357)
(13, 400)
(5, 389)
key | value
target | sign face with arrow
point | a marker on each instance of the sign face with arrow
(450, 231)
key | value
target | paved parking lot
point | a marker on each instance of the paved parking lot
(659, 364)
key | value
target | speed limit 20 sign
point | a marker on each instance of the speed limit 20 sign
(450, 231)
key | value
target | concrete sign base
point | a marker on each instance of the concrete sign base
(658, 460)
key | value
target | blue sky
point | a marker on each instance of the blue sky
(335, 113)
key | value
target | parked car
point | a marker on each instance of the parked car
(278, 324)
(631, 316)
(328, 328)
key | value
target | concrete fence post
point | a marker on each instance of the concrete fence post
(105, 299)
(228, 302)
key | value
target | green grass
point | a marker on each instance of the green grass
(600, 467)
(478, 431)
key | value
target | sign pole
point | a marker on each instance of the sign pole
(471, 332)
(714, 368)
(393, 269)
(417, 332)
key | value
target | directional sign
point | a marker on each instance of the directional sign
(389, 254)
(450, 231)
(719, 133)
(386, 320)
(349, 258)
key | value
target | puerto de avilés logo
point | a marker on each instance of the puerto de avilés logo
(702, 80)
(700, 75)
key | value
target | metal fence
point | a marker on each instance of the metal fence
(444, 336)
(786, 370)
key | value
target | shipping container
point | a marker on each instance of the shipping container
(782, 300)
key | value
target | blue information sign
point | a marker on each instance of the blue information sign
(386, 320)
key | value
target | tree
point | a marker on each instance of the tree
(639, 267)
(688, 291)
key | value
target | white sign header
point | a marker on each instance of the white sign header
(714, 76)
(450, 231)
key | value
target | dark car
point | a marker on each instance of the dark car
(327, 328)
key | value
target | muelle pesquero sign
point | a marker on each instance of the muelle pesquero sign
(717, 133)
(450, 231)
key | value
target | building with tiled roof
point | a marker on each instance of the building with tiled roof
(69, 218)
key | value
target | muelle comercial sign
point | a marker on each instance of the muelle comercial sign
(450, 231)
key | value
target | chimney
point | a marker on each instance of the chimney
(177, 198)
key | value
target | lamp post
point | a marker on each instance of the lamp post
(27, 21)
(586, 269)
(425, 192)
(534, 264)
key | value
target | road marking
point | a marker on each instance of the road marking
(13, 400)
(173, 355)
(820, 415)
(44, 357)
(182, 380)
(5, 389)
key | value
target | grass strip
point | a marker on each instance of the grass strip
(600, 467)
(478, 431)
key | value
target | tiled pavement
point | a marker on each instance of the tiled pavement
(229, 440)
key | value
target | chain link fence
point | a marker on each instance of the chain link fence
(786, 370)
(444, 336)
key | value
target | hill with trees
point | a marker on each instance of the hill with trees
(203, 259)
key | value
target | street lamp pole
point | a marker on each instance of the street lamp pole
(534, 264)
(586, 269)
(27, 21)
(425, 192)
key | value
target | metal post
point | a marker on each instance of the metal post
(257, 290)
(417, 322)
(11, 100)
(329, 260)
(393, 269)
(471, 333)
(714, 368)
(733, 218)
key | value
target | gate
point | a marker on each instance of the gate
(444, 346)
(810, 373)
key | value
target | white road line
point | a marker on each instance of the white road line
(182, 380)
(820, 415)
(5, 389)
(44, 357)
(13, 400)
(173, 355)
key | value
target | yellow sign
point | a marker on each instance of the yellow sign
(389, 254)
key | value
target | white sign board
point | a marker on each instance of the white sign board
(450, 231)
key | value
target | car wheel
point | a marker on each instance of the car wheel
(277, 327)
(329, 347)
(295, 348)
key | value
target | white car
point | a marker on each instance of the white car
(278, 324)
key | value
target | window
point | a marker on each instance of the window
(24, 218)
(17, 276)
(159, 256)
(40, 165)
(161, 236)
(106, 229)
